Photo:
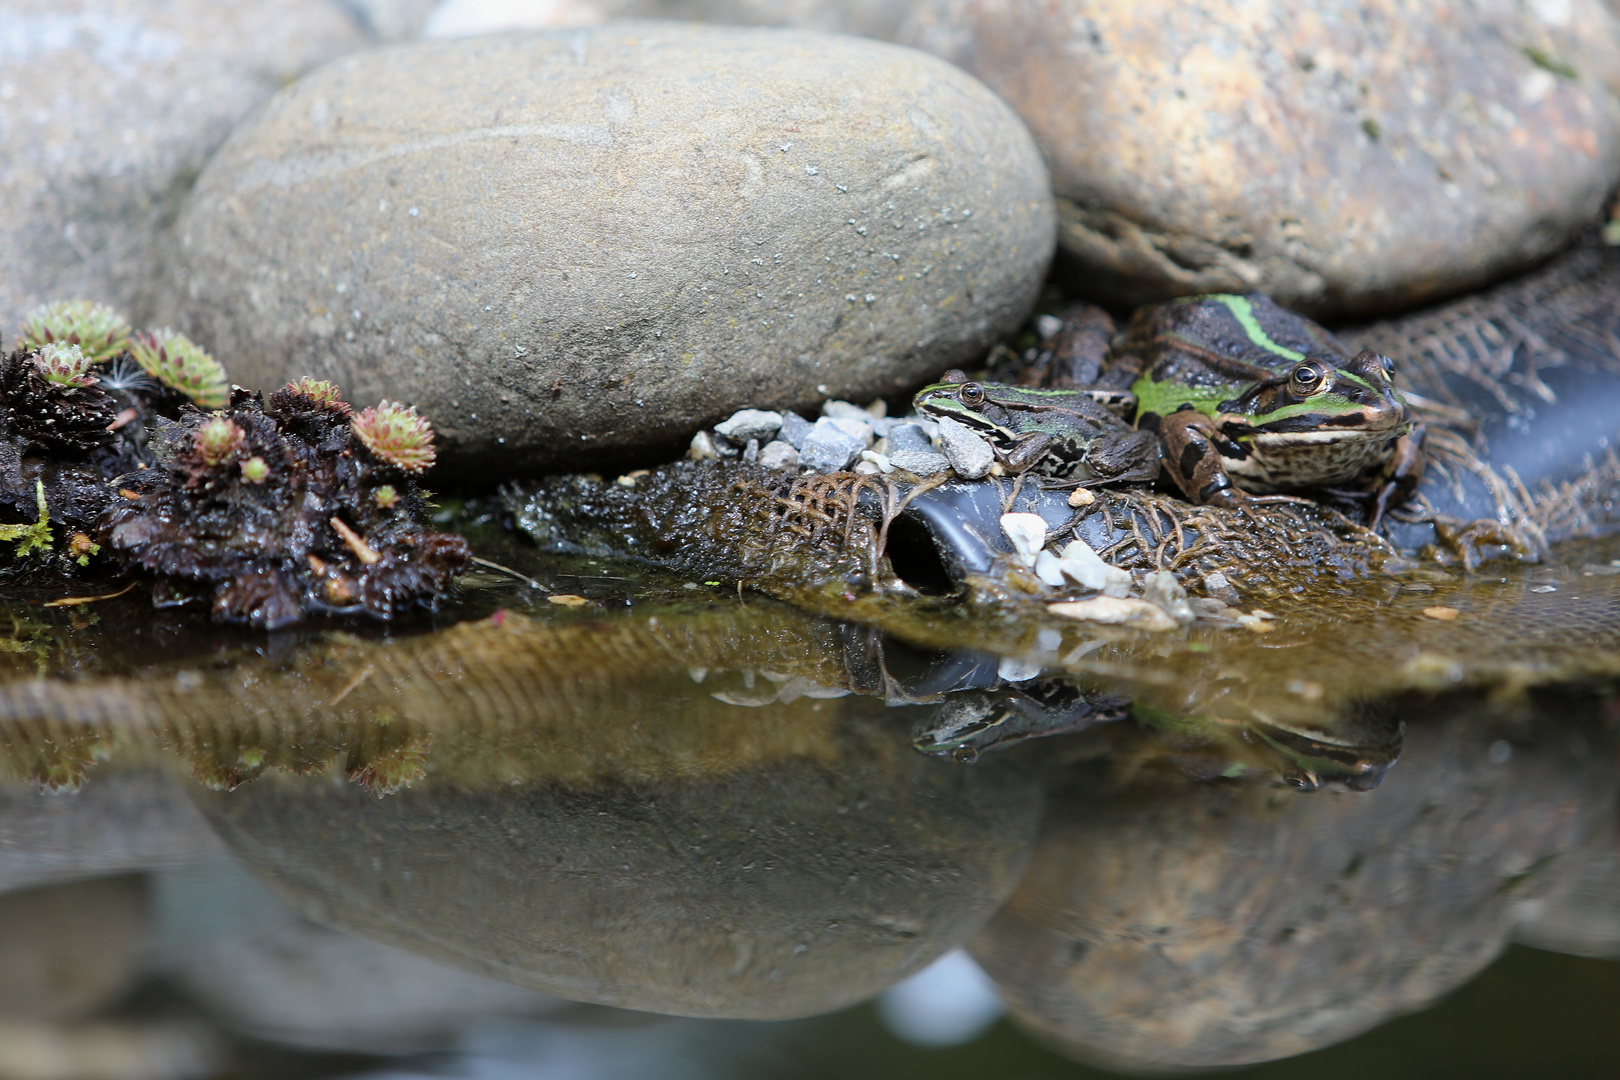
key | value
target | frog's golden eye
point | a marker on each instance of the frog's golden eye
(971, 394)
(1307, 379)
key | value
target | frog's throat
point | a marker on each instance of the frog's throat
(1243, 312)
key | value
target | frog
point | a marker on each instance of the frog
(1354, 751)
(1251, 400)
(971, 722)
(1062, 434)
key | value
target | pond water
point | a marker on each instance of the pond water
(600, 821)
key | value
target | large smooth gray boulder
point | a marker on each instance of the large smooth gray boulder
(108, 110)
(586, 244)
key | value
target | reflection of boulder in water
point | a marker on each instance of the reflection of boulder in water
(777, 889)
(1584, 919)
(1219, 925)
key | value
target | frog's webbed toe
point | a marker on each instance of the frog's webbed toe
(1125, 457)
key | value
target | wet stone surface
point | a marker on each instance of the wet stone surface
(109, 111)
(689, 221)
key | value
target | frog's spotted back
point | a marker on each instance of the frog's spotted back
(1235, 334)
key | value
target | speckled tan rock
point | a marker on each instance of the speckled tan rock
(1344, 156)
(108, 109)
(586, 244)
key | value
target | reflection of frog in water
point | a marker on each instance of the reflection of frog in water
(973, 721)
(1354, 749)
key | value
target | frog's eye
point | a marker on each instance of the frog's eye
(971, 394)
(1389, 366)
(1306, 379)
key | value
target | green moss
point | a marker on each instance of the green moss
(32, 537)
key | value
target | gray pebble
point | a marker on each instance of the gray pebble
(845, 410)
(1162, 588)
(748, 424)
(1217, 585)
(779, 455)
(920, 462)
(831, 446)
(795, 429)
(968, 454)
(909, 436)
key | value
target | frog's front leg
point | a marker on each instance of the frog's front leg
(1025, 453)
(1191, 458)
(1400, 477)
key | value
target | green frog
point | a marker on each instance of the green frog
(1249, 399)
(1065, 434)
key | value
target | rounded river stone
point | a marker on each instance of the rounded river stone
(108, 110)
(587, 244)
(1345, 157)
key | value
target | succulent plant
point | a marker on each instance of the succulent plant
(255, 469)
(181, 365)
(100, 331)
(65, 366)
(396, 435)
(217, 441)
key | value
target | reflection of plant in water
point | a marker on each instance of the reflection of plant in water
(55, 760)
(393, 769)
(29, 637)
(381, 755)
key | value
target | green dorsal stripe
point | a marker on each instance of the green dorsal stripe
(1239, 306)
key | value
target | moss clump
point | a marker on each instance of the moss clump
(270, 511)
(47, 401)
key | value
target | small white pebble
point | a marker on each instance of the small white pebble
(1012, 669)
(1048, 569)
(1027, 533)
(880, 460)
